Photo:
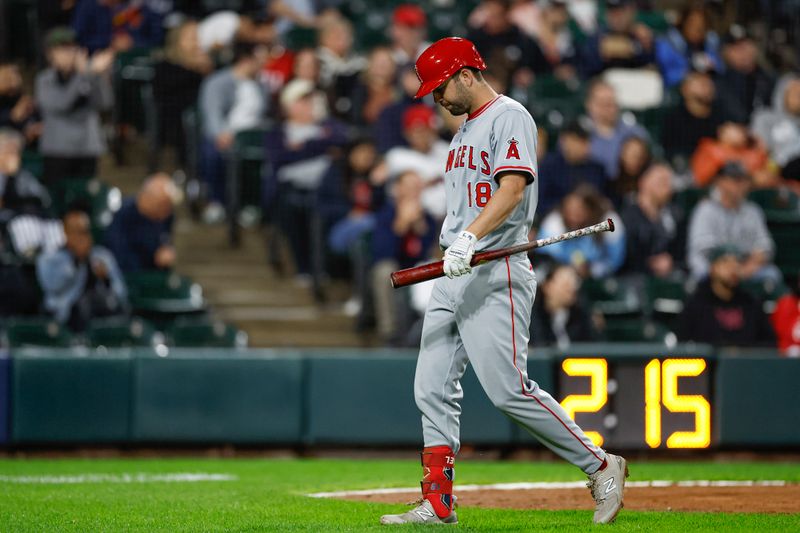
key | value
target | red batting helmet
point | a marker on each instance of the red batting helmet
(444, 58)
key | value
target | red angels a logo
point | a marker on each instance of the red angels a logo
(512, 149)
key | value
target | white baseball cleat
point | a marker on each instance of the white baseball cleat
(422, 514)
(607, 488)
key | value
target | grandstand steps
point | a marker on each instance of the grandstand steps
(242, 289)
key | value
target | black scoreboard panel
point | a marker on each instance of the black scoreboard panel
(645, 403)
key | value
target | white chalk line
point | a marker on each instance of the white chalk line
(552, 485)
(180, 477)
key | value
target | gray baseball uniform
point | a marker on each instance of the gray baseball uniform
(483, 317)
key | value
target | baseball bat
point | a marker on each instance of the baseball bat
(418, 274)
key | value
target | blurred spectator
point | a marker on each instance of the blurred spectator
(691, 120)
(727, 218)
(298, 156)
(117, 24)
(52, 13)
(622, 43)
(339, 66)
(504, 46)
(597, 256)
(634, 159)
(733, 143)
(786, 319)
(558, 318)
(284, 65)
(402, 237)
(408, 32)
(230, 101)
(551, 32)
(70, 96)
(651, 225)
(426, 154)
(140, 236)
(81, 281)
(20, 191)
(374, 90)
(744, 86)
(720, 312)
(17, 107)
(608, 130)
(295, 13)
(347, 198)
(388, 128)
(176, 84)
(779, 126)
(570, 165)
(689, 45)
(221, 30)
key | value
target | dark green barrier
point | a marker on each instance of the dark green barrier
(359, 399)
(5, 396)
(757, 401)
(58, 397)
(204, 396)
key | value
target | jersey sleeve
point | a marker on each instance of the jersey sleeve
(514, 145)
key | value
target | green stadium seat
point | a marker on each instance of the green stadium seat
(785, 231)
(131, 69)
(687, 199)
(38, 331)
(164, 293)
(638, 330)
(777, 203)
(613, 296)
(665, 298)
(245, 169)
(206, 333)
(121, 332)
(100, 199)
(767, 290)
(33, 162)
(297, 38)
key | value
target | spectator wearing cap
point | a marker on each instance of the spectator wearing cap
(558, 318)
(621, 43)
(70, 95)
(727, 218)
(140, 235)
(695, 117)
(504, 46)
(230, 101)
(786, 318)
(408, 32)
(609, 131)
(651, 225)
(719, 312)
(116, 24)
(569, 165)
(779, 127)
(743, 86)
(81, 281)
(733, 143)
(425, 154)
(691, 44)
(298, 154)
(597, 256)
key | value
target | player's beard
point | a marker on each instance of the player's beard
(460, 105)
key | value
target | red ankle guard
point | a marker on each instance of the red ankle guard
(438, 471)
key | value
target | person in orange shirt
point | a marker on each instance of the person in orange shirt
(733, 143)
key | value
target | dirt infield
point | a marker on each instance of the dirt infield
(757, 499)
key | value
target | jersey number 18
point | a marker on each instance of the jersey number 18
(483, 191)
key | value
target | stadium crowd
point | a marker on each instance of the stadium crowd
(678, 120)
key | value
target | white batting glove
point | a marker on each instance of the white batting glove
(458, 256)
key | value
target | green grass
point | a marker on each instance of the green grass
(269, 496)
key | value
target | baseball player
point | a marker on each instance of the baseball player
(481, 316)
